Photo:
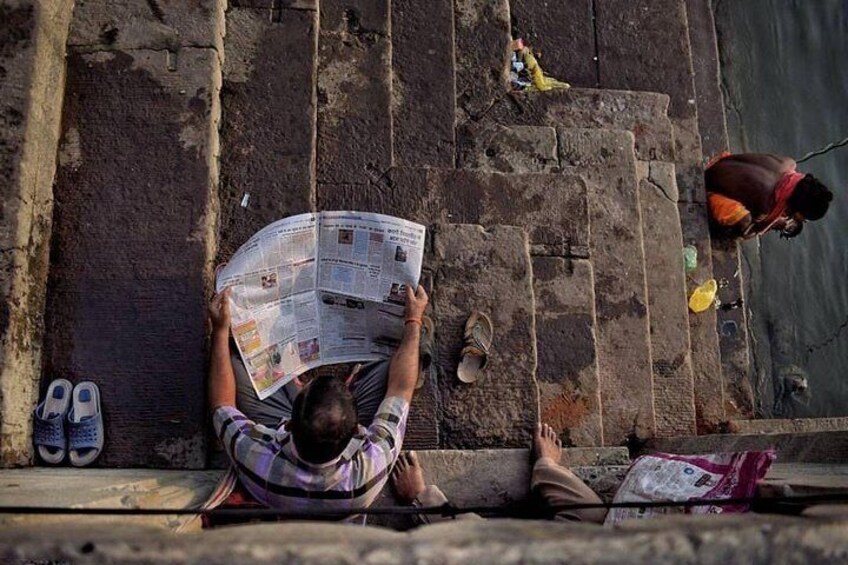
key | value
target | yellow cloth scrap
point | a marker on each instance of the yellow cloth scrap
(541, 82)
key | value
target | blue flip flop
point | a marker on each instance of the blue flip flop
(85, 425)
(49, 422)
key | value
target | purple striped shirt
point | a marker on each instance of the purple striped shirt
(269, 467)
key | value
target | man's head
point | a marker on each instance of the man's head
(810, 199)
(323, 419)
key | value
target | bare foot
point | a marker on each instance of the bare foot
(546, 443)
(408, 477)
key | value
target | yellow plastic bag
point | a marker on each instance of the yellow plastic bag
(541, 82)
(703, 296)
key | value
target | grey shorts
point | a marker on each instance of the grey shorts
(368, 389)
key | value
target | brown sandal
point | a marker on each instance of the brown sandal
(479, 333)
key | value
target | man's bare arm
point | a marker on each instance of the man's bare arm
(222, 380)
(403, 370)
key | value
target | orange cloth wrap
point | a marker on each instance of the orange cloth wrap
(725, 211)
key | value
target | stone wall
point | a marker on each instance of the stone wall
(32, 78)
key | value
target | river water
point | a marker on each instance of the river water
(785, 80)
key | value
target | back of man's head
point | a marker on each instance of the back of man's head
(323, 419)
(810, 198)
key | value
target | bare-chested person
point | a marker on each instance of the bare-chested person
(751, 193)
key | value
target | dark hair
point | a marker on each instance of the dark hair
(323, 419)
(810, 198)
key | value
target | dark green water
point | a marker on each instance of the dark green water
(785, 76)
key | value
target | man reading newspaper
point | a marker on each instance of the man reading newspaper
(328, 445)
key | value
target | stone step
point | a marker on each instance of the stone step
(354, 142)
(791, 447)
(32, 59)
(642, 113)
(606, 159)
(268, 120)
(482, 50)
(134, 227)
(479, 477)
(566, 342)
(423, 83)
(797, 425)
(475, 269)
(501, 477)
(552, 208)
(567, 371)
(706, 356)
(674, 401)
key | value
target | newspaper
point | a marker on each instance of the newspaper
(319, 289)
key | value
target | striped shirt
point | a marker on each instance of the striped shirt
(269, 467)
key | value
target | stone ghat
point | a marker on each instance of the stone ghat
(186, 127)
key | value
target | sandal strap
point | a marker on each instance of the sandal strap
(476, 352)
(85, 434)
(49, 433)
(473, 338)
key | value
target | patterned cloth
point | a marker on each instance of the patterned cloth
(269, 467)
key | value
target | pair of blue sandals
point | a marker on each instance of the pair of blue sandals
(75, 409)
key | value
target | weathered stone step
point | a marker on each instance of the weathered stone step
(552, 208)
(482, 55)
(354, 91)
(501, 477)
(566, 341)
(606, 159)
(797, 425)
(423, 83)
(32, 59)
(674, 402)
(567, 371)
(475, 269)
(642, 113)
(791, 447)
(268, 120)
(134, 227)
(706, 356)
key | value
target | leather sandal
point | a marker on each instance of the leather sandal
(479, 333)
